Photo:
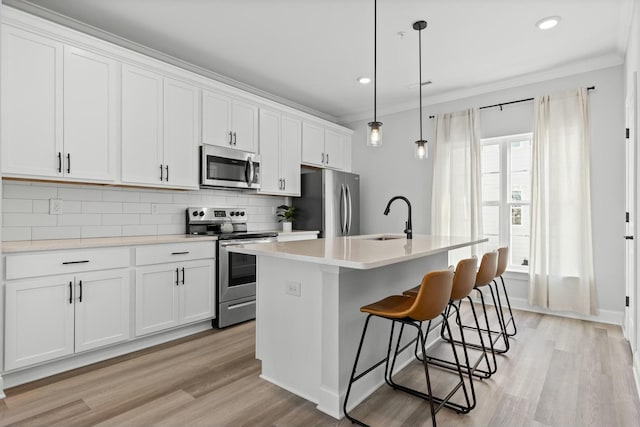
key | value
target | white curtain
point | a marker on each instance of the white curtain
(561, 269)
(456, 202)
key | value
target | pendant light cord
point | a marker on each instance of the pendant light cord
(420, 76)
(375, 59)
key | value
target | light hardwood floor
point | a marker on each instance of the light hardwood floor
(559, 372)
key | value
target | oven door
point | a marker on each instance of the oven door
(237, 272)
(224, 167)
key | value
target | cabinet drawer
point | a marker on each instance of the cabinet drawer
(176, 252)
(61, 262)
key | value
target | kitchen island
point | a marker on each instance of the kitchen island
(309, 293)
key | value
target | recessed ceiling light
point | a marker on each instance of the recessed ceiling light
(364, 80)
(548, 22)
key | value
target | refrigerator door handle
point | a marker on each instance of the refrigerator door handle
(349, 210)
(343, 206)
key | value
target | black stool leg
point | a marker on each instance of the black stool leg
(499, 314)
(512, 320)
(353, 374)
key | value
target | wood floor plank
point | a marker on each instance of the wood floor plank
(559, 372)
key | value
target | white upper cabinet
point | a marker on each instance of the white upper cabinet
(280, 144)
(181, 134)
(59, 110)
(31, 104)
(229, 122)
(159, 130)
(312, 144)
(90, 115)
(334, 147)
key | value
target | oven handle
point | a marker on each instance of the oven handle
(247, 242)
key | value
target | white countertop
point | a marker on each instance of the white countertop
(99, 242)
(49, 245)
(358, 252)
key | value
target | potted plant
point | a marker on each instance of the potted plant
(285, 216)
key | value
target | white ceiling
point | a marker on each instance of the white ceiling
(312, 51)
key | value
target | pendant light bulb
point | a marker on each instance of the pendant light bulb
(421, 152)
(374, 136)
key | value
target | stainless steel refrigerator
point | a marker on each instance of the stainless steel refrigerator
(329, 202)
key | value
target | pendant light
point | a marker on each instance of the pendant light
(374, 134)
(421, 144)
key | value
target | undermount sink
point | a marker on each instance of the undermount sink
(385, 238)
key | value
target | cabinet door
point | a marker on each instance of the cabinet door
(216, 119)
(312, 144)
(181, 134)
(198, 291)
(90, 115)
(39, 321)
(142, 145)
(102, 308)
(244, 126)
(31, 104)
(334, 149)
(270, 177)
(290, 147)
(157, 294)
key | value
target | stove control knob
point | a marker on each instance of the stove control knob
(232, 213)
(241, 213)
(195, 213)
(201, 213)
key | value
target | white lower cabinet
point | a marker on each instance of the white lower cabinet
(50, 317)
(169, 295)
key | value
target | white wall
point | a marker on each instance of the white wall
(392, 170)
(95, 211)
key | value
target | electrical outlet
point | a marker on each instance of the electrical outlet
(154, 209)
(293, 288)
(55, 207)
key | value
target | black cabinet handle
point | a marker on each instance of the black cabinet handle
(70, 293)
(68, 163)
(80, 298)
(183, 275)
(75, 262)
(180, 253)
(59, 162)
(628, 237)
(235, 139)
(177, 277)
(230, 138)
(161, 173)
(167, 168)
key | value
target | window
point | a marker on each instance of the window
(506, 196)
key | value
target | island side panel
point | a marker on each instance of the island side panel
(288, 326)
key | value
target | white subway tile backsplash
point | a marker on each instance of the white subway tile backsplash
(101, 207)
(28, 220)
(100, 231)
(18, 205)
(140, 208)
(79, 193)
(120, 195)
(139, 230)
(120, 219)
(94, 211)
(67, 220)
(47, 233)
(31, 192)
(10, 234)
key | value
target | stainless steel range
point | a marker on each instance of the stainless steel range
(236, 278)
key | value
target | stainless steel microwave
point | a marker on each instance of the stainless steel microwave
(226, 167)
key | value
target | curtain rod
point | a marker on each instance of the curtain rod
(511, 102)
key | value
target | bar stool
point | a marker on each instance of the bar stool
(464, 279)
(432, 298)
(503, 258)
